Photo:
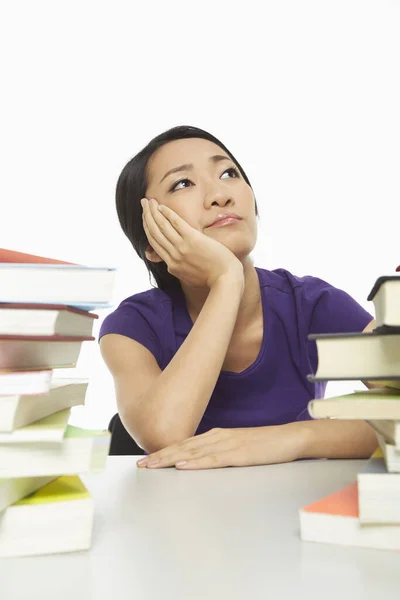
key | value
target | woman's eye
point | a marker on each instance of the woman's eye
(233, 172)
(175, 186)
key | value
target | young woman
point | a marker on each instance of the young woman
(210, 366)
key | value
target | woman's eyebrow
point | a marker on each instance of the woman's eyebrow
(189, 166)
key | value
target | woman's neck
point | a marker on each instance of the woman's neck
(249, 306)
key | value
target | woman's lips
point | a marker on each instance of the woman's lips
(227, 221)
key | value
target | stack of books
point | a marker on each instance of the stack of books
(365, 513)
(45, 317)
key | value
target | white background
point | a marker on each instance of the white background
(305, 94)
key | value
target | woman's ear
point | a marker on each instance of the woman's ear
(152, 255)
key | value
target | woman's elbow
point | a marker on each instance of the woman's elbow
(156, 436)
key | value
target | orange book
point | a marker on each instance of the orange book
(335, 520)
(343, 503)
(12, 256)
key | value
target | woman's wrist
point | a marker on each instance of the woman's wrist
(278, 443)
(304, 438)
(334, 438)
(297, 437)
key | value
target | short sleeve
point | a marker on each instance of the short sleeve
(129, 321)
(331, 309)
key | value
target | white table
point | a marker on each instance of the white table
(226, 534)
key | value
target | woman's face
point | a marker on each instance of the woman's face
(197, 180)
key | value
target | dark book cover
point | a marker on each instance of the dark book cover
(380, 281)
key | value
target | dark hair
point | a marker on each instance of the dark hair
(131, 188)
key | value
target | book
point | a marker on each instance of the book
(49, 281)
(389, 429)
(378, 492)
(19, 352)
(368, 356)
(56, 518)
(335, 520)
(13, 256)
(385, 296)
(80, 451)
(25, 382)
(12, 490)
(376, 403)
(45, 319)
(50, 429)
(390, 383)
(390, 454)
(18, 410)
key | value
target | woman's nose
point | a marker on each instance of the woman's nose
(215, 195)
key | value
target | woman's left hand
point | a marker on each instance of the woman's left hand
(232, 448)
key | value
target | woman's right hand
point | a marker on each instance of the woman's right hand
(190, 255)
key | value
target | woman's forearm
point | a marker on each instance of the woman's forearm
(268, 445)
(171, 410)
(334, 438)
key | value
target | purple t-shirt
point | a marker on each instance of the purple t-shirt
(273, 390)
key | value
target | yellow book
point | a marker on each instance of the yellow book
(56, 518)
(13, 490)
(378, 453)
(62, 489)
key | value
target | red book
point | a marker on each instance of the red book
(12, 256)
(45, 319)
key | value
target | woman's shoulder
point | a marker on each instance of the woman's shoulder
(321, 306)
(286, 282)
(152, 300)
(304, 292)
(148, 309)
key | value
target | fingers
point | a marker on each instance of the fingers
(179, 224)
(164, 220)
(210, 461)
(191, 449)
(168, 457)
(159, 232)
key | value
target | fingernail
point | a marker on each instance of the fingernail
(181, 463)
(142, 462)
(142, 202)
(152, 463)
(160, 207)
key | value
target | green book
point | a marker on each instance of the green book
(376, 403)
(81, 450)
(48, 429)
(22, 407)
